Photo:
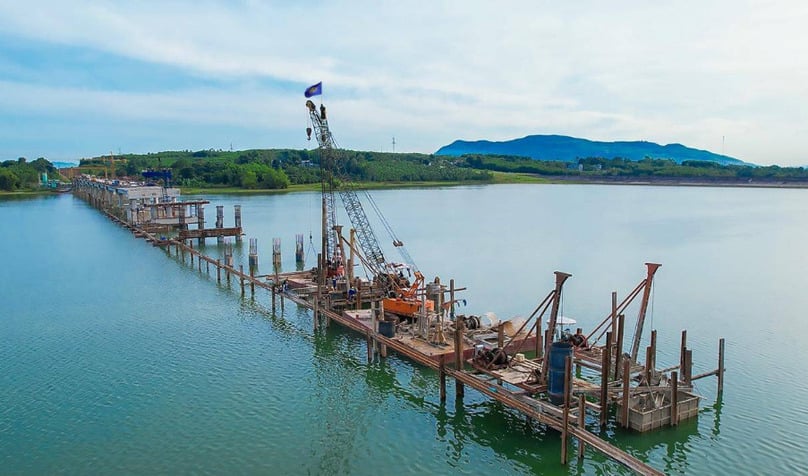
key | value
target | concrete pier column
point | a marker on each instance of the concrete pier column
(200, 220)
(228, 253)
(132, 214)
(276, 254)
(253, 257)
(300, 256)
(183, 225)
(220, 222)
(238, 220)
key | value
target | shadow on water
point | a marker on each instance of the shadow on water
(339, 357)
(714, 409)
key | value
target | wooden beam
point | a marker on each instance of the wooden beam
(581, 424)
(674, 398)
(539, 340)
(241, 276)
(614, 313)
(621, 324)
(688, 366)
(721, 366)
(604, 382)
(559, 285)
(682, 350)
(458, 340)
(566, 412)
(646, 294)
(626, 392)
(705, 374)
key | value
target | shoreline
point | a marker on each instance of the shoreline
(500, 178)
(504, 179)
(671, 182)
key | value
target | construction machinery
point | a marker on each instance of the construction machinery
(401, 294)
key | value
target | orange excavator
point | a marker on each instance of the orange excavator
(406, 302)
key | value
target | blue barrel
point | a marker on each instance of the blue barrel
(387, 328)
(558, 356)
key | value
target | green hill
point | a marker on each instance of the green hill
(570, 149)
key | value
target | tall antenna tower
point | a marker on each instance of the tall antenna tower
(394, 144)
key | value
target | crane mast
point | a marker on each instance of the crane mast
(327, 160)
(330, 161)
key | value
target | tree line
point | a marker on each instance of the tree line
(279, 168)
(598, 167)
(20, 174)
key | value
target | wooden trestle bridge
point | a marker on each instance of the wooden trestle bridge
(646, 397)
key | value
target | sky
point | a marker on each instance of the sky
(87, 78)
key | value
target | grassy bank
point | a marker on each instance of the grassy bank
(25, 193)
(499, 178)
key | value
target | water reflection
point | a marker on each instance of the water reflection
(715, 409)
(339, 361)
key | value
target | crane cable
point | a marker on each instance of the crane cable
(405, 255)
(312, 249)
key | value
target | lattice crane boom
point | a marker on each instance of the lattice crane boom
(331, 158)
(327, 161)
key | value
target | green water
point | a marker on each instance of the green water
(119, 359)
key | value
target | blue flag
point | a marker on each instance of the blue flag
(314, 90)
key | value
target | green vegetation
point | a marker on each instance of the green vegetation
(18, 175)
(600, 168)
(280, 169)
(257, 171)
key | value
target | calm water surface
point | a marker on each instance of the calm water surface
(119, 359)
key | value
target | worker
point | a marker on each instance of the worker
(322, 111)
(565, 335)
(579, 340)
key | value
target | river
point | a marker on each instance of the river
(116, 358)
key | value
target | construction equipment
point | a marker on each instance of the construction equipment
(401, 294)
(644, 286)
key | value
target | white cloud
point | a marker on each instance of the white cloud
(430, 72)
(201, 106)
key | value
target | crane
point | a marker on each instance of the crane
(401, 295)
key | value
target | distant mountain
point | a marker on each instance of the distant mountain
(570, 149)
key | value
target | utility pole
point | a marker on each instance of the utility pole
(394, 144)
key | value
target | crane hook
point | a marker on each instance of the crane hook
(308, 133)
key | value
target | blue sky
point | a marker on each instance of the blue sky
(83, 78)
